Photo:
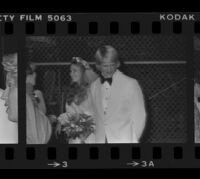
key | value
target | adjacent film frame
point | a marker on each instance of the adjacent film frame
(96, 156)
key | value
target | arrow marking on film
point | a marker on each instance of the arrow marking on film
(54, 164)
(133, 163)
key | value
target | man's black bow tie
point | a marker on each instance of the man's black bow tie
(109, 80)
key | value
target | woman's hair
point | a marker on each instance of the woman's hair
(10, 66)
(83, 66)
(76, 92)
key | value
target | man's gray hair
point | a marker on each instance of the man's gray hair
(106, 52)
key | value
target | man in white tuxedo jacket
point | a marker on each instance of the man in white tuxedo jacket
(119, 102)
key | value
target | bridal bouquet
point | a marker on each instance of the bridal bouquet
(76, 126)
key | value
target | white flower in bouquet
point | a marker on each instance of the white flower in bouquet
(73, 125)
(83, 120)
(63, 118)
(79, 129)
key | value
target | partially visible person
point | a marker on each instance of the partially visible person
(78, 96)
(121, 114)
(9, 102)
(37, 93)
(197, 108)
(38, 126)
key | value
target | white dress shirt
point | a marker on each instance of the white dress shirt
(106, 91)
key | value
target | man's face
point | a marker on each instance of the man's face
(108, 67)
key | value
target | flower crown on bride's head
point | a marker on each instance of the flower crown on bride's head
(10, 63)
(81, 61)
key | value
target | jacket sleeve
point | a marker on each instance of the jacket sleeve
(138, 112)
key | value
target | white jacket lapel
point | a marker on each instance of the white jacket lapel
(114, 94)
(99, 98)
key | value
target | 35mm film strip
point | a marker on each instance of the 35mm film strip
(99, 90)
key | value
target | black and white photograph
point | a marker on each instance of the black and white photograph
(99, 90)
(106, 89)
(8, 91)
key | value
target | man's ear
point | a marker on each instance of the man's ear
(118, 64)
(98, 67)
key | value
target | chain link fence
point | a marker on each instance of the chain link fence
(157, 62)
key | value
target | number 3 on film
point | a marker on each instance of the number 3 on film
(64, 164)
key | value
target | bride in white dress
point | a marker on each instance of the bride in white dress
(78, 96)
(9, 102)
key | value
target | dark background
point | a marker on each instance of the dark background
(164, 85)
